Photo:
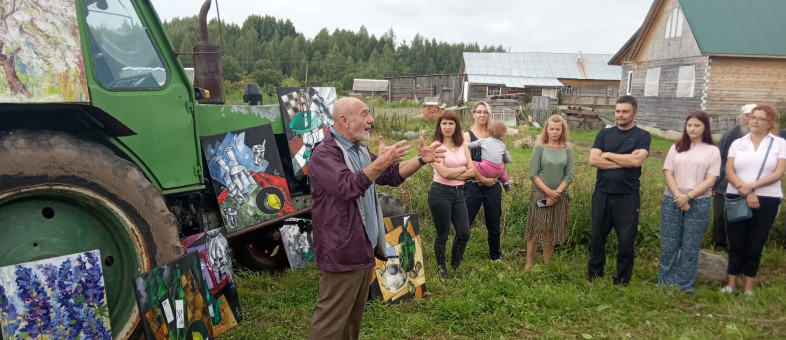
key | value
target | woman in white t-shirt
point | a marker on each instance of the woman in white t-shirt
(690, 170)
(754, 169)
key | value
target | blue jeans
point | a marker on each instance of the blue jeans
(491, 199)
(447, 205)
(681, 233)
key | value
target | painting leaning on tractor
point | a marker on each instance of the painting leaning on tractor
(100, 146)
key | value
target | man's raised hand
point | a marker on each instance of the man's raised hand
(432, 153)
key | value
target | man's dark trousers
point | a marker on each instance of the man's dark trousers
(620, 212)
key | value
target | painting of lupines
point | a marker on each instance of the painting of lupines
(58, 298)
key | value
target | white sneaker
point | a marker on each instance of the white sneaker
(748, 293)
(727, 290)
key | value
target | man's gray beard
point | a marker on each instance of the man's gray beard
(744, 128)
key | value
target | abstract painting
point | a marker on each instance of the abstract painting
(174, 301)
(57, 298)
(298, 242)
(215, 261)
(307, 114)
(248, 178)
(402, 276)
(32, 33)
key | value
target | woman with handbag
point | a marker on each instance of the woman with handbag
(690, 170)
(754, 169)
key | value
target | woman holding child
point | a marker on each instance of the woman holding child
(551, 172)
(446, 195)
(690, 170)
(483, 190)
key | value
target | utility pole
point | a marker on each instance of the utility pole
(306, 73)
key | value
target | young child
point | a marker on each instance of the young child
(494, 153)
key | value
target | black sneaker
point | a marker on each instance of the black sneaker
(443, 273)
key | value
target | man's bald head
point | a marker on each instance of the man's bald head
(346, 106)
(351, 119)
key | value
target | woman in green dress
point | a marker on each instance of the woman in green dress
(551, 171)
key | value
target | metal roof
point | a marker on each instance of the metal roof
(514, 81)
(737, 27)
(541, 65)
(370, 85)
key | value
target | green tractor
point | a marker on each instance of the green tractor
(100, 147)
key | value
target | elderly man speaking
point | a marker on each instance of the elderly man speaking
(347, 220)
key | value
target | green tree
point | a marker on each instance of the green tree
(290, 82)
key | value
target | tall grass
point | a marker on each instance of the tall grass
(486, 300)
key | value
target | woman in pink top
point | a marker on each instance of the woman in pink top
(690, 170)
(446, 195)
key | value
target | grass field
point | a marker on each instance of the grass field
(486, 300)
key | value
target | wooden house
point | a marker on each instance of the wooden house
(579, 79)
(710, 55)
(447, 87)
(370, 88)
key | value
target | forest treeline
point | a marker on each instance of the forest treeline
(271, 52)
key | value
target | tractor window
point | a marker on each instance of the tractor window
(124, 56)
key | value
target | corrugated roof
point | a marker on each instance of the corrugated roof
(737, 27)
(514, 81)
(370, 85)
(535, 65)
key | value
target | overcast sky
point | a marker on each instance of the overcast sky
(589, 26)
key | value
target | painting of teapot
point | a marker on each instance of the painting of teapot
(392, 278)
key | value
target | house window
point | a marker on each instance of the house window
(609, 91)
(686, 80)
(628, 90)
(493, 90)
(651, 84)
(513, 89)
(674, 24)
(569, 89)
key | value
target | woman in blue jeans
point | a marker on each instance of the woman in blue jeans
(446, 195)
(690, 170)
(481, 190)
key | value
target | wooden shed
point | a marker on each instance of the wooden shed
(369, 88)
(447, 87)
(576, 78)
(709, 55)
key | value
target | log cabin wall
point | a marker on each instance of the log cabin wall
(447, 87)
(736, 81)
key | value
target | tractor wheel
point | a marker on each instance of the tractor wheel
(60, 195)
(263, 253)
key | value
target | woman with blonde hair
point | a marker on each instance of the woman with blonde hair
(483, 190)
(551, 172)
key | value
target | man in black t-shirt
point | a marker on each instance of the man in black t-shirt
(617, 153)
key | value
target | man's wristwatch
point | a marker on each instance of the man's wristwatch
(420, 160)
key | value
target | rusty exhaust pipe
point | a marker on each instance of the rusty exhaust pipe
(208, 73)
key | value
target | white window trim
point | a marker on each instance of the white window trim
(686, 80)
(489, 92)
(628, 90)
(652, 82)
(569, 89)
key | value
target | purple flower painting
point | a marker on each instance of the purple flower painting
(58, 298)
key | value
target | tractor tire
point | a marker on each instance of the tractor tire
(61, 195)
(391, 206)
(263, 253)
